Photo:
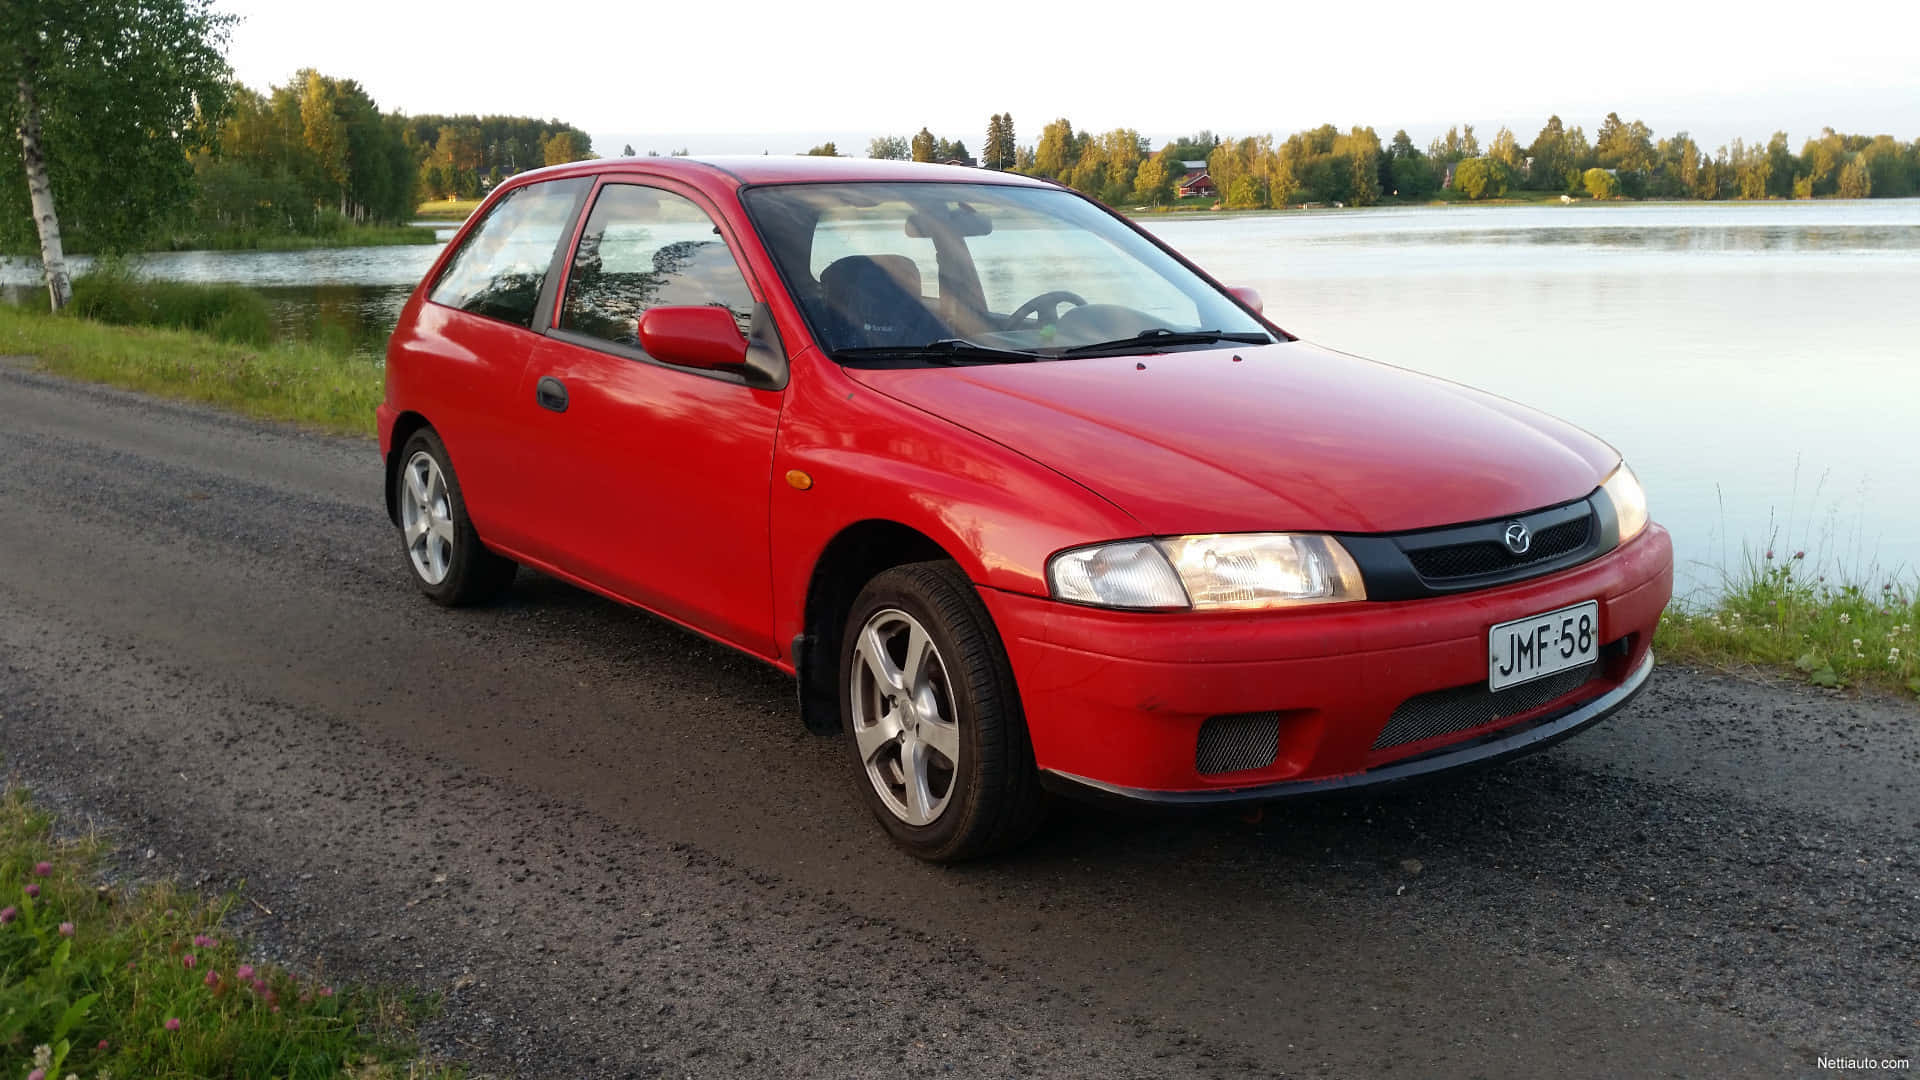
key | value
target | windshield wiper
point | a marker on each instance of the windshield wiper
(1160, 335)
(943, 351)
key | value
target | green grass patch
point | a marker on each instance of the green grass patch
(100, 981)
(447, 209)
(345, 236)
(114, 292)
(1773, 612)
(306, 384)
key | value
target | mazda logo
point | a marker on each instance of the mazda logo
(1517, 538)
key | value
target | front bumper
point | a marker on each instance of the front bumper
(1115, 701)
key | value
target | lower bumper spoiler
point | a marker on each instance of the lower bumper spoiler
(1495, 746)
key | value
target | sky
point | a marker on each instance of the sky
(751, 76)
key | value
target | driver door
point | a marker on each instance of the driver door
(658, 485)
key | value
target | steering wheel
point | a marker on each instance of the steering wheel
(1045, 307)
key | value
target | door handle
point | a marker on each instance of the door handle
(551, 393)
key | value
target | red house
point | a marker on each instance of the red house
(1196, 182)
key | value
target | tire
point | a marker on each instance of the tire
(961, 701)
(445, 558)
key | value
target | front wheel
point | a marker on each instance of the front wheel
(448, 561)
(929, 702)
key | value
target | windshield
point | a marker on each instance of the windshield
(981, 273)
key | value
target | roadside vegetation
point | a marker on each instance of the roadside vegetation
(99, 980)
(222, 361)
(1773, 612)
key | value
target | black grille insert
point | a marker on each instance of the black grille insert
(1444, 712)
(1486, 557)
(1237, 742)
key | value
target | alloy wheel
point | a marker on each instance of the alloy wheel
(904, 720)
(426, 518)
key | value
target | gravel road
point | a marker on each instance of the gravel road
(614, 848)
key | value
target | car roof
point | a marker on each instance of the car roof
(768, 169)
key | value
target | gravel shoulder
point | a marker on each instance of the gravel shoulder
(613, 847)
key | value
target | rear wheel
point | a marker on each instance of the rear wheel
(448, 561)
(929, 702)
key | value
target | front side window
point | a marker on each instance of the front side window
(882, 270)
(503, 262)
(644, 248)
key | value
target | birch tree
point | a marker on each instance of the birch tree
(106, 98)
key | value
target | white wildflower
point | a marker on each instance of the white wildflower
(1845, 618)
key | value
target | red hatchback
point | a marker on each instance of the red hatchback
(1023, 500)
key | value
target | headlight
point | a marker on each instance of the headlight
(1228, 572)
(1629, 501)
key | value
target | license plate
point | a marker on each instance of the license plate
(1539, 645)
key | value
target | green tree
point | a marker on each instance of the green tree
(1058, 150)
(999, 152)
(1856, 182)
(564, 146)
(1601, 184)
(923, 145)
(1553, 166)
(1413, 176)
(1481, 178)
(825, 149)
(1783, 168)
(1505, 149)
(107, 98)
(1154, 181)
(890, 148)
(627, 150)
(1457, 144)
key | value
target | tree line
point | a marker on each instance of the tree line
(1353, 167)
(318, 151)
(132, 135)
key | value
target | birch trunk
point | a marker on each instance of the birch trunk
(52, 257)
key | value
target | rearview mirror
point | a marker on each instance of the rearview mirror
(962, 220)
(697, 337)
(1248, 297)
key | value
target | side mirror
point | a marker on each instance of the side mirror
(1247, 296)
(697, 337)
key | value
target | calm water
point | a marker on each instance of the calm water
(1758, 364)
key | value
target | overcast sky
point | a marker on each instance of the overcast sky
(748, 75)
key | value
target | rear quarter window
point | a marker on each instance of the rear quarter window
(502, 264)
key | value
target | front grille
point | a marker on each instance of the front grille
(1475, 559)
(1237, 742)
(1462, 708)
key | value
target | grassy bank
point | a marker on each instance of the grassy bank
(97, 980)
(346, 236)
(447, 209)
(302, 383)
(1773, 613)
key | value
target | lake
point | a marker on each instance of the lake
(1758, 364)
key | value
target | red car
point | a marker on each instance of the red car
(1024, 501)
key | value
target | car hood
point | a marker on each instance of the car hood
(1275, 437)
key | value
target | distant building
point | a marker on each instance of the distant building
(1195, 182)
(967, 161)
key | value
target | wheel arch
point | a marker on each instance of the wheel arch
(853, 557)
(404, 427)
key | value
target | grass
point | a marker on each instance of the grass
(302, 383)
(345, 236)
(97, 981)
(447, 209)
(1772, 612)
(114, 292)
